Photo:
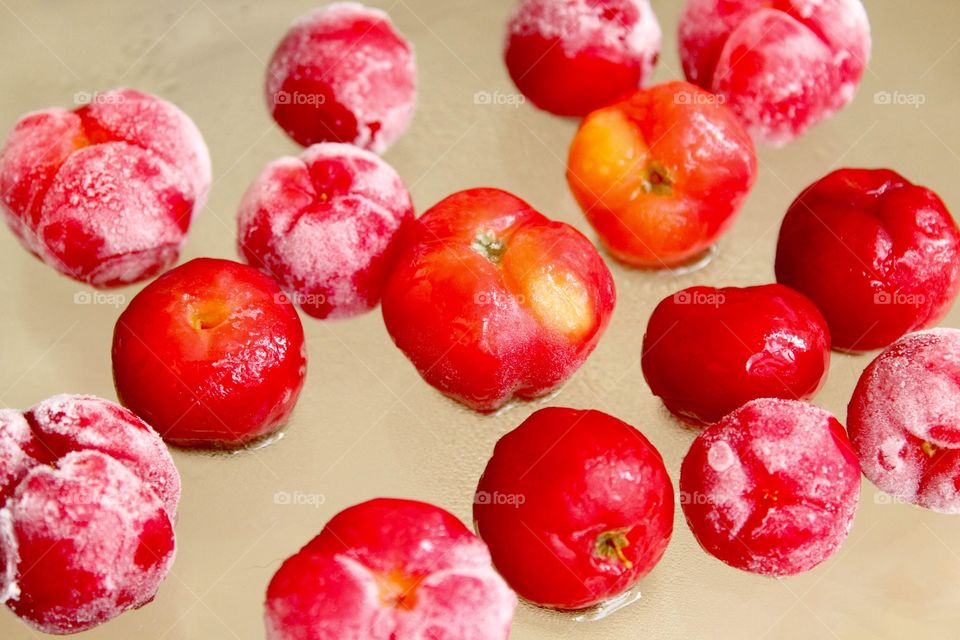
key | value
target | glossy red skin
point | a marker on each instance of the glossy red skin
(711, 164)
(584, 58)
(89, 494)
(472, 326)
(433, 577)
(772, 488)
(342, 73)
(904, 420)
(327, 226)
(782, 65)
(708, 351)
(878, 255)
(222, 386)
(577, 474)
(105, 193)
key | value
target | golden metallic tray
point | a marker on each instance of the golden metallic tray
(366, 424)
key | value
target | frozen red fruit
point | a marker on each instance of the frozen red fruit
(105, 193)
(210, 354)
(708, 351)
(492, 301)
(662, 174)
(89, 493)
(66, 423)
(19, 451)
(389, 569)
(904, 420)
(63, 424)
(772, 488)
(576, 507)
(570, 57)
(878, 255)
(343, 73)
(81, 542)
(326, 225)
(782, 65)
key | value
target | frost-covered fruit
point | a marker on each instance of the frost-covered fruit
(878, 255)
(389, 569)
(904, 420)
(772, 488)
(782, 65)
(570, 57)
(105, 193)
(326, 226)
(211, 354)
(343, 73)
(89, 497)
(707, 351)
(576, 506)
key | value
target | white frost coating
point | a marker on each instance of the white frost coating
(100, 505)
(9, 589)
(89, 422)
(720, 456)
(915, 387)
(320, 236)
(354, 70)
(774, 468)
(581, 25)
(15, 439)
(116, 166)
(905, 419)
(811, 58)
(467, 602)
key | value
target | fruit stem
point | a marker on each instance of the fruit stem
(610, 544)
(487, 244)
(657, 179)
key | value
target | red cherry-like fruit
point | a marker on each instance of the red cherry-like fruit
(662, 174)
(570, 57)
(491, 301)
(782, 65)
(89, 496)
(708, 351)
(878, 255)
(772, 488)
(105, 193)
(211, 354)
(389, 569)
(326, 225)
(343, 73)
(904, 420)
(576, 507)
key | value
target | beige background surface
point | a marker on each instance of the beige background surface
(366, 424)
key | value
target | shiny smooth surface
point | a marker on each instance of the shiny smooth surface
(366, 424)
